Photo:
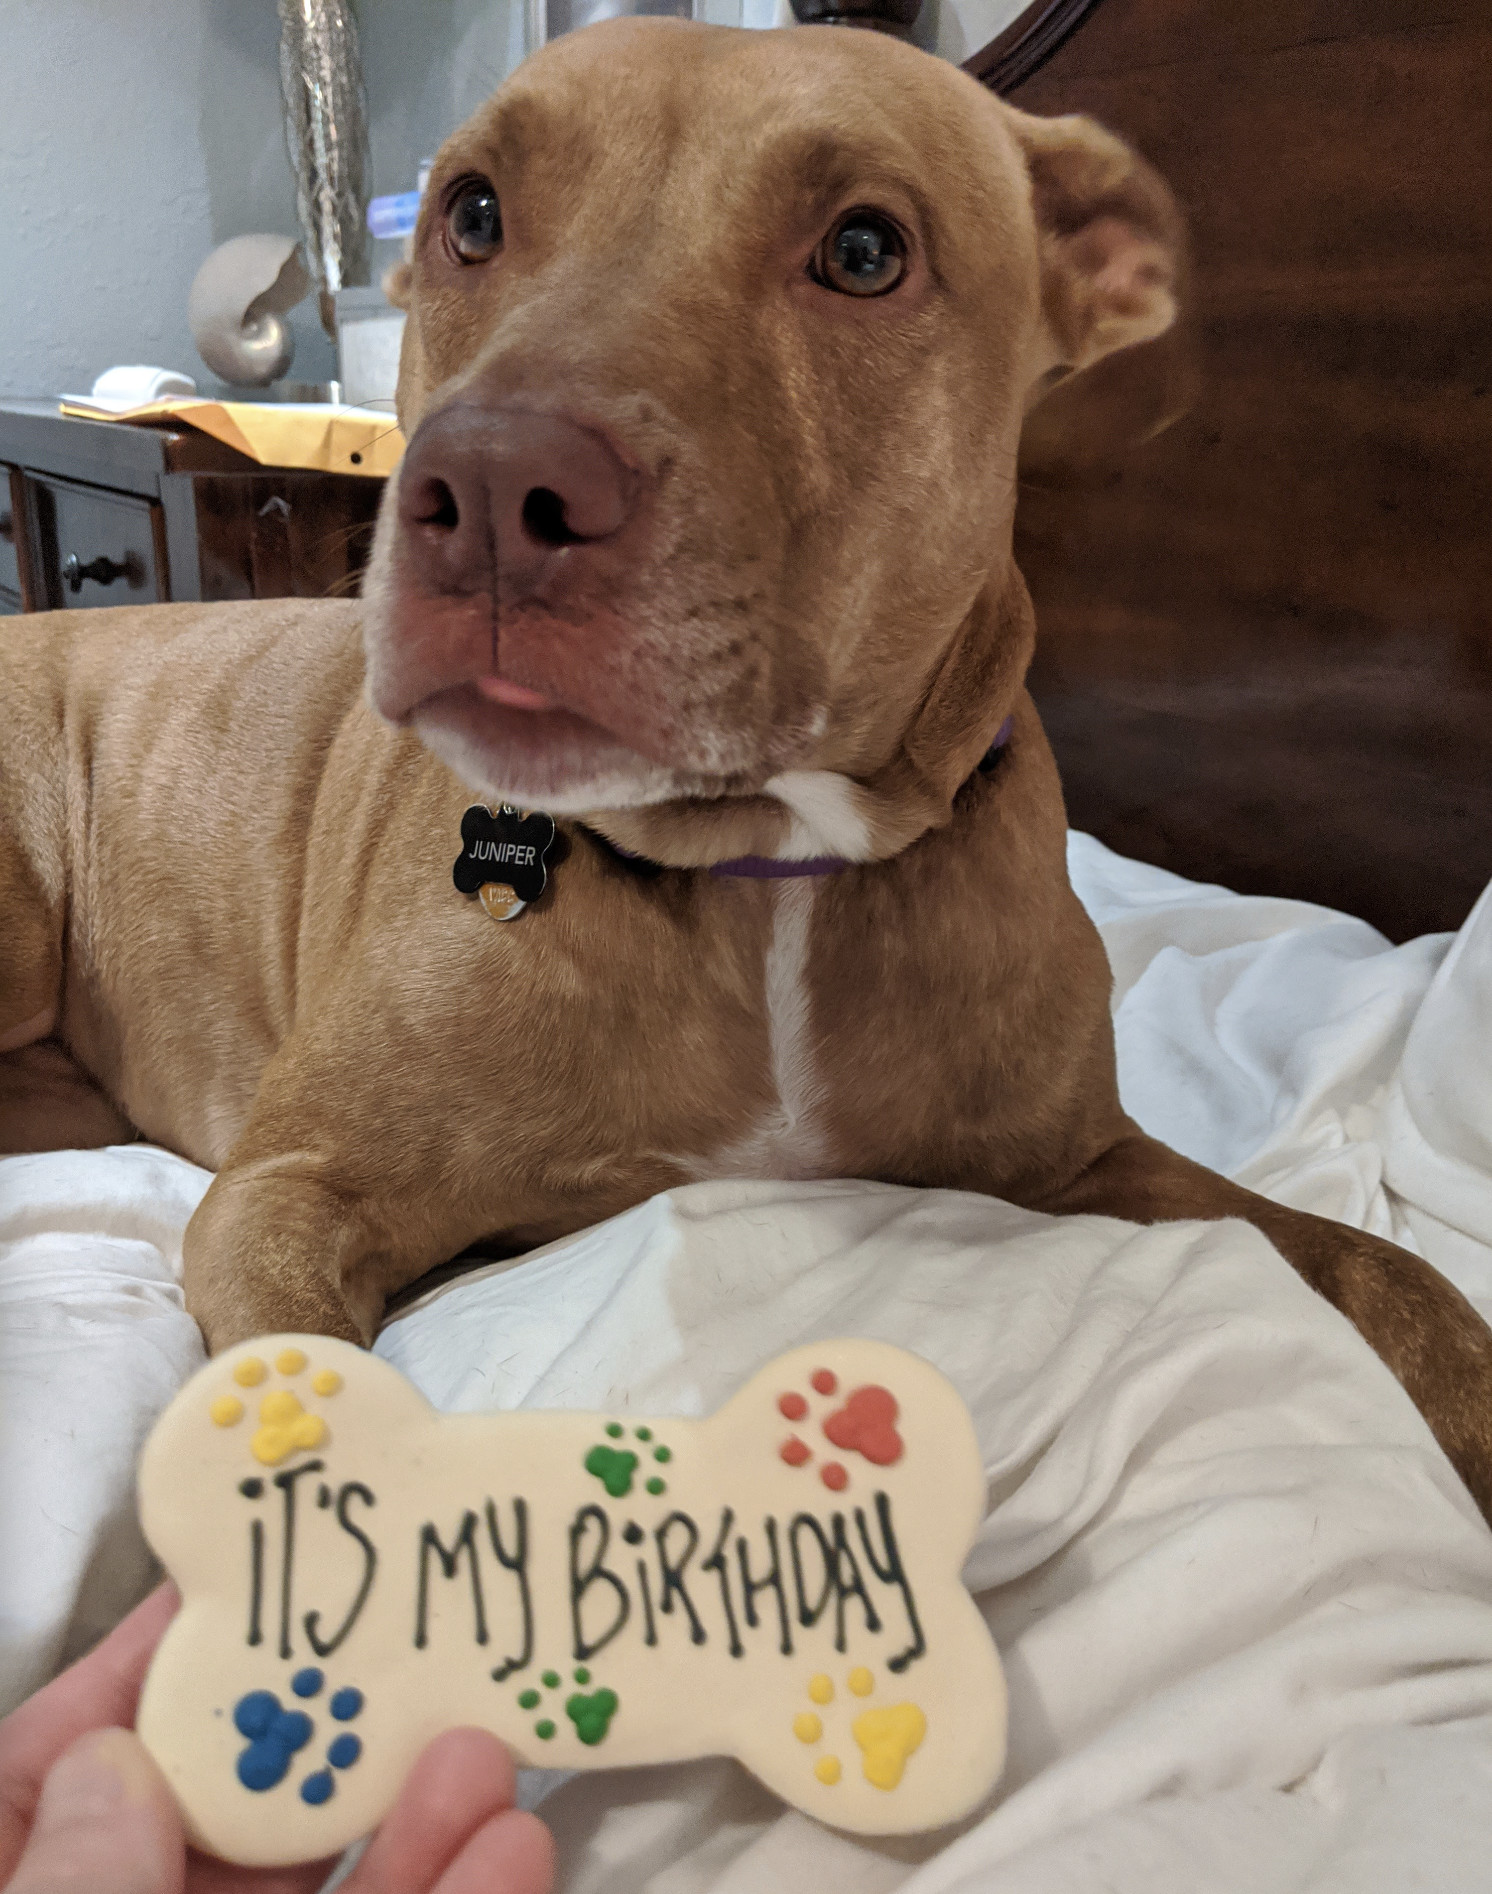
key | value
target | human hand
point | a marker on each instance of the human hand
(84, 1809)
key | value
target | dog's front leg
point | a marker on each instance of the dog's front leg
(327, 1203)
(280, 1243)
(1419, 1324)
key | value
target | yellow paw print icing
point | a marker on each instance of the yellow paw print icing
(284, 1428)
(886, 1738)
(284, 1425)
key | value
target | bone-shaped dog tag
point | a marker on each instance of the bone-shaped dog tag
(504, 858)
(779, 1582)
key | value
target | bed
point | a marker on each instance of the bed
(1244, 1604)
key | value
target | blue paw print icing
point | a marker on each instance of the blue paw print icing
(275, 1735)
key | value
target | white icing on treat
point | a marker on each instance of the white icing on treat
(778, 1583)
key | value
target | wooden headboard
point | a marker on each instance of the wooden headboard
(1265, 648)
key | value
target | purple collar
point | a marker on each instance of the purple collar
(771, 868)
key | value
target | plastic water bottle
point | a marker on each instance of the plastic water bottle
(394, 216)
(397, 216)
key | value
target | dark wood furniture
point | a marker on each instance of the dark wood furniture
(1265, 645)
(102, 513)
(1028, 42)
(1033, 33)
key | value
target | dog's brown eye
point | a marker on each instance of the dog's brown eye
(863, 255)
(474, 225)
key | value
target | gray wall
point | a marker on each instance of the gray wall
(137, 134)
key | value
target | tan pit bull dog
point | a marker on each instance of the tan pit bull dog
(718, 351)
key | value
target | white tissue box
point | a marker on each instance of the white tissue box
(369, 334)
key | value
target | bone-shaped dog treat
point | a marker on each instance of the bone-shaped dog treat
(358, 1572)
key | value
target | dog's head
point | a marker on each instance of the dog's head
(718, 350)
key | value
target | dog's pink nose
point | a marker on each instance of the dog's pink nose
(502, 500)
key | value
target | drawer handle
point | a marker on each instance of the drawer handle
(102, 571)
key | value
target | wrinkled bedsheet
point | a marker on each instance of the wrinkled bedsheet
(1244, 1604)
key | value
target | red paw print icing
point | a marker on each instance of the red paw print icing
(866, 1424)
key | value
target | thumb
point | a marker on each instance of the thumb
(105, 1819)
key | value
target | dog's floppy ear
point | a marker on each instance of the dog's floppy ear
(398, 285)
(1109, 240)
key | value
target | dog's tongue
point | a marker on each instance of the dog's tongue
(515, 696)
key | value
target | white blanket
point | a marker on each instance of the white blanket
(1245, 1607)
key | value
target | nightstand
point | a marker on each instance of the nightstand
(108, 513)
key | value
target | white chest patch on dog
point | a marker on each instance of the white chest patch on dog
(826, 815)
(788, 1139)
(779, 1582)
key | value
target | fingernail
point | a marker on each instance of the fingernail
(94, 1779)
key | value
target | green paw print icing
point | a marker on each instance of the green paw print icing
(613, 1467)
(592, 1715)
(597, 1711)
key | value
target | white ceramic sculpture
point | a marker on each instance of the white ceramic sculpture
(238, 303)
